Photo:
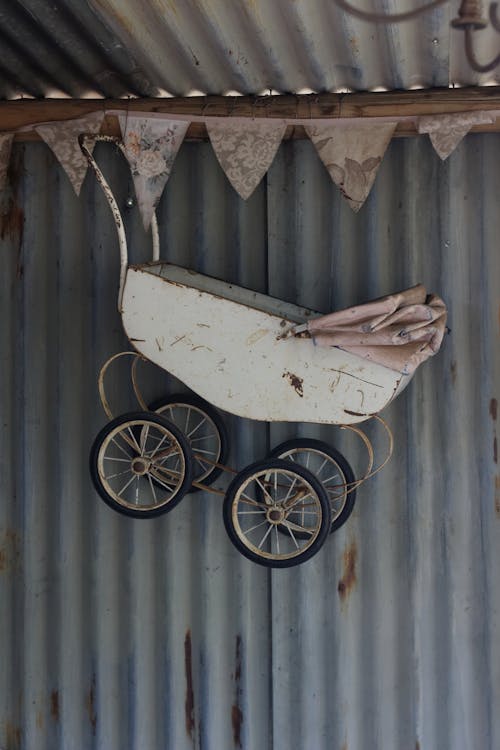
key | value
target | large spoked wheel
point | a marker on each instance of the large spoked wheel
(327, 465)
(204, 429)
(141, 465)
(276, 514)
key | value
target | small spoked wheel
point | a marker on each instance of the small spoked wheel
(204, 429)
(141, 465)
(327, 465)
(277, 514)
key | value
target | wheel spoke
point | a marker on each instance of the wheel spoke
(257, 526)
(126, 485)
(152, 488)
(213, 436)
(134, 440)
(144, 439)
(120, 448)
(120, 474)
(286, 524)
(153, 454)
(297, 527)
(265, 535)
(264, 490)
(210, 453)
(285, 501)
(190, 434)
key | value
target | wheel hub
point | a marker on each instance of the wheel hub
(140, 466)
(275, 515)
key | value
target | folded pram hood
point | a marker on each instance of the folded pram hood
(399, 331)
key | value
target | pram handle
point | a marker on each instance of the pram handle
(84, 140)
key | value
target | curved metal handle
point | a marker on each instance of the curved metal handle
(84, 140)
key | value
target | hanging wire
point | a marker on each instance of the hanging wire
(470, 18)
(386, 17)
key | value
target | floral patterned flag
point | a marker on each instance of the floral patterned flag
(446, 131)
(245, 151)
(62, 138)
(151, 146)
(5, 147)
(352, 154)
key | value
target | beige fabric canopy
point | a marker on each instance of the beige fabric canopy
(399, 331)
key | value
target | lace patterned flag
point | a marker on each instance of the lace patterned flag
(62, 138)
(151, 145)
(245, 151)
(352, 155)
(5, 148)
(446, 131)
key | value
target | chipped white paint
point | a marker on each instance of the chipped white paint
(227, 344)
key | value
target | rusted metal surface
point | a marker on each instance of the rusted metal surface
(120, 48)
(97, 607)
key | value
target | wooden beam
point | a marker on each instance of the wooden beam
(17, 114)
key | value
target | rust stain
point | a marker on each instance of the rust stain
(39, 720)
(90, 705)
(494, 409)
(296, 382)
(12, 223)
(54, 705)
(495, 449)
(453, 370)
(236, 720)
(417, 745)
(12, 735)
(236, 712)
(10, 552)
(497, 495)
(189, 702)
(348, 580)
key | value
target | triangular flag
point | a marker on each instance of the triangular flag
(151, 146)
(352, 154)
(245, 151)
(62, 138)
(5, 148)
(446, 131)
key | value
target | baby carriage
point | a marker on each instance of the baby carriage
(260, 358)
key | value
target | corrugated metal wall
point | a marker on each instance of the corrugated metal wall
(119, 48)
(118, 633)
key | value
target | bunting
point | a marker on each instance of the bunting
(245, 148)
(5, 148)
(151, 146)
(62, 138)
(245, 151)
(352, 155)
(446, 131)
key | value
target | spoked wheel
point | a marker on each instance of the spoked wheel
(141, 465)
(204, 429)
(276, 514)
(327, 465)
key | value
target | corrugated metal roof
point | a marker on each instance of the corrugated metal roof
(114, 48)
(116, 633)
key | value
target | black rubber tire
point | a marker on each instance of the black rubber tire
(212, 414)
(184, 448)
(266, 467)
(310, 444)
